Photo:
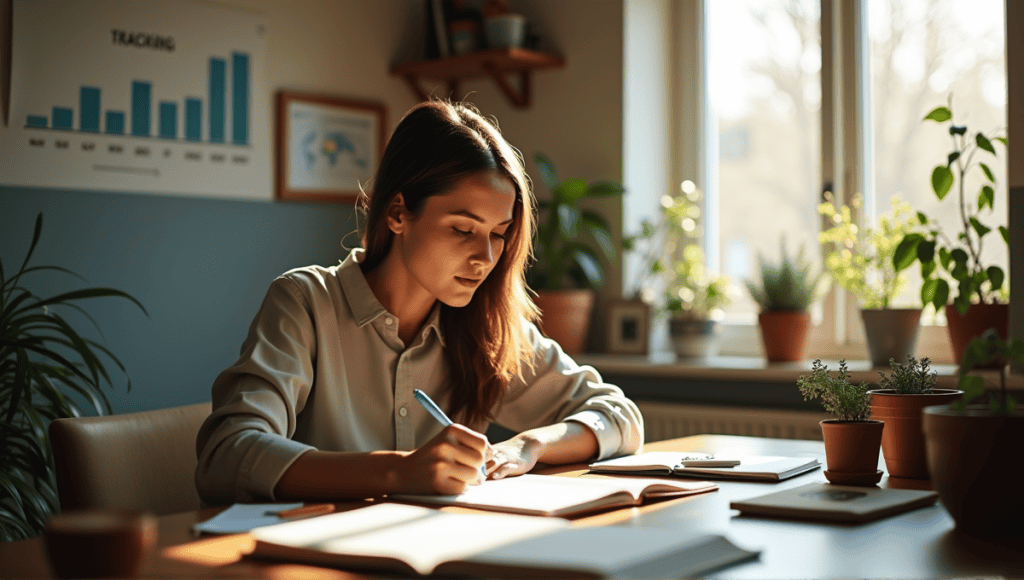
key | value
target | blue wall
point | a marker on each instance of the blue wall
(200, 267)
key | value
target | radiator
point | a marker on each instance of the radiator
(671, 420)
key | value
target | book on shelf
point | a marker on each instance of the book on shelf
(750, 467)
(418, 540)
(549, 495)
(836, 503)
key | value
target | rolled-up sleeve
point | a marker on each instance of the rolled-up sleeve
(245, 445)
(555, 389)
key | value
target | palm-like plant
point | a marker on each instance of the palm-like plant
(43, 360)
(563, 260)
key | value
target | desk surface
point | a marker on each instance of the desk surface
(918, 544)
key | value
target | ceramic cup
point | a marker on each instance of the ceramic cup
(99, 543)
(505, 30)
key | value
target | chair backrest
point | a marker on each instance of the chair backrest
(136, 461)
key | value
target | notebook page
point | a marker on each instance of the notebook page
(321, 529)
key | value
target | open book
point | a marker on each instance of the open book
(836, 503)
(548, 495)
(419, 540)
(751, 467)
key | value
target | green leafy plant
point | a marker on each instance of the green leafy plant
(44, 363)
(845, 400)
(861, 262)
(914, 378)
(960, 258)
(789, 285)
(673, 261)
(563, 259)
(984, 349)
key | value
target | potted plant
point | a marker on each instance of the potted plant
(674, 276)
(980, 300)
(860, 260)
(43, 360)
(568, 267)
(785, 295)
(898, 403)
(975, 457)
(852, 439)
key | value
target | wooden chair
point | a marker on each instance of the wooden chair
(135, 461)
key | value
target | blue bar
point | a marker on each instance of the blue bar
(36, 121)
(63, 118)
(193, 119)
(89, 109)
(239, 98)
(217, 90)
(115, 122)
(168, 120)
(141, 108)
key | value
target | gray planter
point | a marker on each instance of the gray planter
(694, 338)
(891, 333)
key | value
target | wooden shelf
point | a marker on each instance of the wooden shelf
(496, 64)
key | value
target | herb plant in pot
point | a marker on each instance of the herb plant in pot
(975, 456)
(785, 295)
(980, 300)
(568, 248)
(673, 267)
(851, 439)
(46, 367)
(860, 260)
(898, 403)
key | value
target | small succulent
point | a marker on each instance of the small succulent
(789, 285)
(845, 400)
(914, 378)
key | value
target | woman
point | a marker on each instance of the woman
(320, 404)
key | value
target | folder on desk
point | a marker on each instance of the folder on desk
(836, 503)
(751, 467)
(419, 540)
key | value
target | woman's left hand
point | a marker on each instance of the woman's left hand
(515, 456)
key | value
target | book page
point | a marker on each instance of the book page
(663, 461)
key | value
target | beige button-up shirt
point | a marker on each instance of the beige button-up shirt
(323, 368)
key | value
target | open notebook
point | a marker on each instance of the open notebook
(548, 495)
(419, 540)
(751, 467)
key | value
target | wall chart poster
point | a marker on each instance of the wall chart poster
(138, 97)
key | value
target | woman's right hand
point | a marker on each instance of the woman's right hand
(447, 463)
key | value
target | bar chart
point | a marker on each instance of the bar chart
(192, 128)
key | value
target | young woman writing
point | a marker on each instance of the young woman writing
(320, 404)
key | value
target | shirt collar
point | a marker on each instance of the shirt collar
(364, 304)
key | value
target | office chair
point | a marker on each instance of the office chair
(135, 461)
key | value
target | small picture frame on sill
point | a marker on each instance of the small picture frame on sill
(628, 326)
(327, 147)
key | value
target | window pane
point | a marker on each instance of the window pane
(764, 84)
(923, 52)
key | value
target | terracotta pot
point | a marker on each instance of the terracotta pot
(979, 318)
(565, 317)
(784, 334)
(851, 446)
(976, 462)
(891, 333)
(902, 437)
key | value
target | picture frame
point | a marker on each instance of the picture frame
(327, 147)
(628, 326)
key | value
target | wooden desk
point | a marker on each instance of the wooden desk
(918, 544)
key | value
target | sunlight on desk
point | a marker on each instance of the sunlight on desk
(216, 551)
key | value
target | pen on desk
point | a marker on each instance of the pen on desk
(313, 509)
(438, 414)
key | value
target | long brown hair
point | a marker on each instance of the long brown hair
(434, 146)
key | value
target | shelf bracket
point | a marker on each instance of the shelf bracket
(519, 99)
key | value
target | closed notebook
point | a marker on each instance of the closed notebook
(837, 503)
(751, 467)
(418, 540)
(549, 495)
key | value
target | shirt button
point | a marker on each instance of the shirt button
(389, 321)
(403, 411)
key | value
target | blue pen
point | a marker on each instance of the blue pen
(438, 414)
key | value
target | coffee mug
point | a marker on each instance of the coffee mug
(99, 543)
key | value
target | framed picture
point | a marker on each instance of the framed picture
(327, 147)
(628, 327)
